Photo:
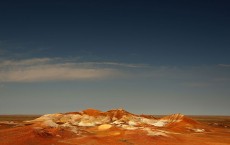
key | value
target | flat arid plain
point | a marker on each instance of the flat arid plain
(114, 127)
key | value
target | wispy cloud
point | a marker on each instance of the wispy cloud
(224, 65)
(26, 62)
(62, 69)
(56, 69)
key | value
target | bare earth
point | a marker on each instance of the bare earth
(114, 127)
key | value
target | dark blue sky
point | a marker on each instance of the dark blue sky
(156, 32)
(165, 48)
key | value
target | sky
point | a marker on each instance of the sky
(145, 56)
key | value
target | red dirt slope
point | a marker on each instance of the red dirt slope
(114, 127)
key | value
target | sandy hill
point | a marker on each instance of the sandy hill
(115, 127)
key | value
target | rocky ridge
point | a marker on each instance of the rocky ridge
(114, 127)
(119, 118)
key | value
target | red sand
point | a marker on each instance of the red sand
(179, 130)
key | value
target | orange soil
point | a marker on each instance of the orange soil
(177, 134)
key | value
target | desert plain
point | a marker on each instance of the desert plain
(113, 127)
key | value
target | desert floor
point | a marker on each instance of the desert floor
(14, 131)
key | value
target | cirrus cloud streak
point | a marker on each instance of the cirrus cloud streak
(47, 69)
